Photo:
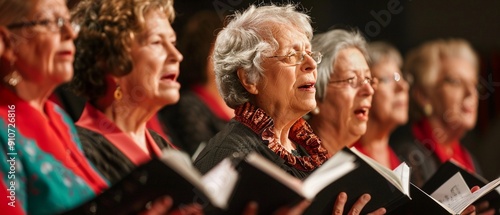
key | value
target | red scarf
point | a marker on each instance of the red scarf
(300, 133)
(424, 133)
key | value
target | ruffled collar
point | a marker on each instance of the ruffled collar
(300, 133)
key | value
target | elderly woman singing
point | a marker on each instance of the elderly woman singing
(266, 70)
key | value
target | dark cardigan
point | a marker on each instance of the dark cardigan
(108, 159)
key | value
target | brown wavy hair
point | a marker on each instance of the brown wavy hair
(107, 28)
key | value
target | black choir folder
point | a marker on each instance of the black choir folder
(225, 189)
(172, 174)
(388, 188)
(449, 169)
(451, 197)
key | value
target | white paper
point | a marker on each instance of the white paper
(453, 190)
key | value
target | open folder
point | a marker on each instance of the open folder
(225, 189)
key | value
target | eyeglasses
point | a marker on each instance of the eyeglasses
(53, 25)
(396, 77)
(355, 83)
(297, 57)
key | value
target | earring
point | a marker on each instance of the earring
(13, 78)
(118, 93)
(427, 109)
(315, 111)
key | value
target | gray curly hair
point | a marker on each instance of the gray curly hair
(330, 44)
(245, 41)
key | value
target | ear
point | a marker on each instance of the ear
(112, 80)
(250, 87)
(6, 46)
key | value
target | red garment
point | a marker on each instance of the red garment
(13, 207)
(211, 103)
(53, 134)
(393, 158)
(96, 121)
(424, 133)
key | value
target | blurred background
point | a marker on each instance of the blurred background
(406, 24)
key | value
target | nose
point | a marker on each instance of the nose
(402, 85)
(173, 54)
(67, 31)
(308, 64)
(471, 90)
(365, 89)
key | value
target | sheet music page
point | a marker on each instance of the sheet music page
(403, 172)
(333, 169)
(459, 206)
(219, 182)
(452, 190)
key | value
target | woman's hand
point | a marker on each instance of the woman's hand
(338, 207)
(162, 206)
(481, 208)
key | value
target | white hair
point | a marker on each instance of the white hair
(242, 43)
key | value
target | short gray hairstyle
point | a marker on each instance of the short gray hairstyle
(380, 50)
(330, 44)
(244, 42)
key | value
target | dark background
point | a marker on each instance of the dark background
(406, 24)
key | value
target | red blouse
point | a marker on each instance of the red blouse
(96, 121)
(424, 133)
(393, 158)
(54, 134)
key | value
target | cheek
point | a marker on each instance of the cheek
(342, 105)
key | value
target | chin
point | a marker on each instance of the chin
(62, 79)
(359, 130)
(469, 125)
(169, 98)
(400, 119)
(309, 106)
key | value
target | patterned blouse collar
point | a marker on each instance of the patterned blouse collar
(300, 133)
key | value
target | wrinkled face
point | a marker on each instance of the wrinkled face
(390, 101)
(284, 86)
(455, 99)
(153, 80)
(346, 105)
(44, 53)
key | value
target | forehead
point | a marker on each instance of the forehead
(290, 37)
(350, 59)
(157, 22)
(385, 67)
(42, 8)
(459, 67)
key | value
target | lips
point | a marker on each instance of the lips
(170, 76)
(362, 113)
(65, 53)
(309, 85)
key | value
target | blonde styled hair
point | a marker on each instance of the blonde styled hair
(423, 65)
